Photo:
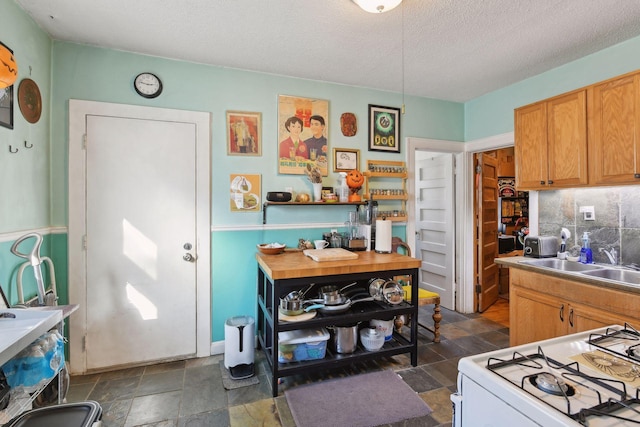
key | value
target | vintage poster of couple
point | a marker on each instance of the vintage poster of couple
(303, 126)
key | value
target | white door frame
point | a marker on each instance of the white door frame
(78, 109)
(464, 183)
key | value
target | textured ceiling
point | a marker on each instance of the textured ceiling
(446, 49)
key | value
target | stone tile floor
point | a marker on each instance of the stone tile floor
(191, 393)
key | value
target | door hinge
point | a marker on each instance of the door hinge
(84, 343)
(478, 289)
(84, 141)
(84, 242)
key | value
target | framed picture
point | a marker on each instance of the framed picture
(345, 159)
(245, 192)
(244, 133)
(6, 107)
(384, 129)
(303, 129)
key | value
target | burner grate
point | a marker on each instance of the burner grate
(547, 383)
(621, 342)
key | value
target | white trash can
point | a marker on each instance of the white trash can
(238, 346)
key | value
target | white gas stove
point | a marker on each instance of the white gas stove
(590, 379)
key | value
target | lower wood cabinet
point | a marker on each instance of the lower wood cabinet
(543, 306)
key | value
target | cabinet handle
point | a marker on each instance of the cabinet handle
(562, 313)
(571, 317)
(636, 175)
(542, 183)
(550, 182)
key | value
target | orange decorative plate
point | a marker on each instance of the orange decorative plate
(348, 124)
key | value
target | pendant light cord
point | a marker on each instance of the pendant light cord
(402, 51)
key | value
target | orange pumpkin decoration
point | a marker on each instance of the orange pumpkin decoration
(8, 67)
(355, 180)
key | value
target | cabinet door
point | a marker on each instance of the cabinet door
(531, 146)
(535, 316)
(614, 131)
(567, 140)
(583, 318)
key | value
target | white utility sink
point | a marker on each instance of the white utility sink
(18, 332)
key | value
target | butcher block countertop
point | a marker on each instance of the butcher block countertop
(292, 265)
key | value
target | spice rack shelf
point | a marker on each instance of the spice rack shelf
(383, 173)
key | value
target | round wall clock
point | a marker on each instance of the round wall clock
(29, 100)
(148, 85)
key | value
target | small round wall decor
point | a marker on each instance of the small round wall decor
(29, 100)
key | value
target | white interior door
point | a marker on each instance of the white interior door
(141, 300)
(435, 235)
(141, 293)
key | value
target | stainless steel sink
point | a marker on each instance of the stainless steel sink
(563, 265)
(625, 276)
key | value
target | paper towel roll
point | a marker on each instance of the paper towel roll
(383, 236)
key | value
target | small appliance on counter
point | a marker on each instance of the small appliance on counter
(353, 240)
(541, 246)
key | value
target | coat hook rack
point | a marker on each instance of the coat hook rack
(27, 145)
(11, 150)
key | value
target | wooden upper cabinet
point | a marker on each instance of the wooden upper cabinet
(614, 131)
(551, 143)
(531, 146)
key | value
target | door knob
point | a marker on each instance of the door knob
(188, 257)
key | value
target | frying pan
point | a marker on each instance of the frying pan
(331, 295)
(337, 308)
(388, 291)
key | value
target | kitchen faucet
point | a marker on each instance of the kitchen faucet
(612, 255)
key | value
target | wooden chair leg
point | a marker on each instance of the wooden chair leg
(437, 317)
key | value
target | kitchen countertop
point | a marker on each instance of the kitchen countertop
(515, 262)
(291, 265)
(20, 337)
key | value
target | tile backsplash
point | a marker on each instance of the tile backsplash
(616, 224)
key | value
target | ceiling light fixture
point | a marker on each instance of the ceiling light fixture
(377, 6)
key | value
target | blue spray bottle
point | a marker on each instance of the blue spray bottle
(586, 255)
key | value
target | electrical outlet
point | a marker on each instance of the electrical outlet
(588, 212)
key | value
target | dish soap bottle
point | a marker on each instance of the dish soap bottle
(343, 190)
(586, 255)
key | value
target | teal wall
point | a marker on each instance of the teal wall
(492, 114)
(83, 72)
(25, 175)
